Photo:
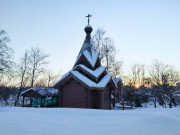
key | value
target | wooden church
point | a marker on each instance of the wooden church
(88, 84)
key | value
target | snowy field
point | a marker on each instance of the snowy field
(59, 121)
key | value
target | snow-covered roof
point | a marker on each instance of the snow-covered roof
(103, 82)
(91, 57)
(42, 91)
(95, 73)
(62, 78)
(117, 80)
(89, 83)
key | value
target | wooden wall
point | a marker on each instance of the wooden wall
(75, 95)
(106, 98)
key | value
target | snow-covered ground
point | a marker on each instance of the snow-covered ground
(61, 121)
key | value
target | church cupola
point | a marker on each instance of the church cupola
(88, 55)
(88, 29)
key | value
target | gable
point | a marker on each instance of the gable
(31, 93)
(91, 74)
(83, 60)
(72, 83)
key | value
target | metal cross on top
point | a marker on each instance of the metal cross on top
(88, 17)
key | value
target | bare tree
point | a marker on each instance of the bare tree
(51, 78)
(126, 80)
(22, 73)
(23, 69)
(6, 92)
(163, 76)
(6, 54)
(6, 81)
(108, 53)
(147, 82)
(155, 73)
(134, 75)
(159, 73)
(138, 75)
(41, 82)
(105, 47)
(174, 76)
(116, 70)
(38, 61)
(98, 39)
(47, 79)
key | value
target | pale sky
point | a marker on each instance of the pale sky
(142, 30)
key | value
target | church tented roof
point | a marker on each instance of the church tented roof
(87, 69)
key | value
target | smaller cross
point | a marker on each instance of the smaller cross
(88, 17)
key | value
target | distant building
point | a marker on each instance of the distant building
(88, 84)
(40, 97)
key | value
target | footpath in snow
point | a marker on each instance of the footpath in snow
(61, 121)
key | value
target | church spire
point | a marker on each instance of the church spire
(87, 42)
(88, 55)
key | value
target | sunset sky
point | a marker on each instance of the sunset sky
(142, 30)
